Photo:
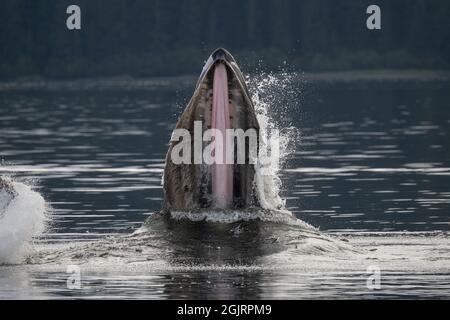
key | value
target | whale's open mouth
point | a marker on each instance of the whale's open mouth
(220, 103)
(221, 120)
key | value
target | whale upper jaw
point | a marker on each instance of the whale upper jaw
(189, 186)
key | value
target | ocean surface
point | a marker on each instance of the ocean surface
(366, 168)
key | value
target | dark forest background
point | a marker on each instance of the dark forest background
(164, 37)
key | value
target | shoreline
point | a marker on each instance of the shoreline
(186, 81)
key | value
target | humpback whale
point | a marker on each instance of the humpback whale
(220, 102)
(7, 194)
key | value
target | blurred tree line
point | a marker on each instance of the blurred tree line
(167, 37)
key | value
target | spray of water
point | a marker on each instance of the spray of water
(23, 218)
(276, 97)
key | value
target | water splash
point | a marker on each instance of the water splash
(276, 97)
(23, 218)
(232, 216)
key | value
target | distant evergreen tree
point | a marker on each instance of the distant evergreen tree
(161, 37)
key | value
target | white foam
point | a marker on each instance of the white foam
(23, 218)
(232, 216)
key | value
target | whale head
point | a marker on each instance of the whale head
(210, 161)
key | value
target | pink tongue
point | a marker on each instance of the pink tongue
(222, 174)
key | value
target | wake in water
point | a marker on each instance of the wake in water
(202, 239)
(22, 218)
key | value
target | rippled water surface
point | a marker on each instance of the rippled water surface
(371, 170)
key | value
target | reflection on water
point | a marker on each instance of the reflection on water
(373, 159)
